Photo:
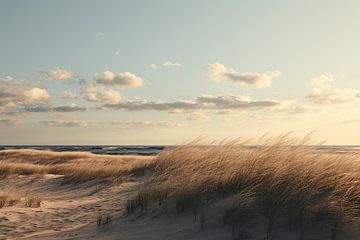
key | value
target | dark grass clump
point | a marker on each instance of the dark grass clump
(103, 219)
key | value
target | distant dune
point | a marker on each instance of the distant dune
(282, 189)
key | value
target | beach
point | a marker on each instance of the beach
(226, 191)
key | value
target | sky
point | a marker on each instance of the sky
(166, 72)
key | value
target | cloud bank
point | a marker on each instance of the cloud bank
(325, 91)
(64, 109)
(16, 93)
(202, 102)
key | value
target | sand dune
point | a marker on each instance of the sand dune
(282, 189)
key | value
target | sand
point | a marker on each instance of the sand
(70, 211)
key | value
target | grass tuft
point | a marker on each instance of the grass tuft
(32, 201)
(103, 219)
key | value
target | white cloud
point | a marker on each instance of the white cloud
(97, 93)
(10, 96)
(100, 33)
(218, 72)
(57, 74)
(123, 80)
(171, 64)
(36, 95)
(322, 80)
(326, 92)
(117, 53)
(16, 93)
(69, 95)
(10, 81)
(153, 66)
(333, 96)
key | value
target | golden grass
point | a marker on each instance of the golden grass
(280, 178)
(32, 201)
(76, 166)
(11, 199)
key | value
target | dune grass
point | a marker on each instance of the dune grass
(280, 178)
(32, 201)
(76, 166)
(7, 199)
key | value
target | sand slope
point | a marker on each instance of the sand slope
(70, 211)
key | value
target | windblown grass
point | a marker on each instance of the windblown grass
(281, 178)
(75, 166)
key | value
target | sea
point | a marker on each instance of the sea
(98, 149)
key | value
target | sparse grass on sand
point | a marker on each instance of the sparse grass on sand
(280, 181)
(8, 200)
(32, 201)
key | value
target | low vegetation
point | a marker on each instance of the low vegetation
(103, 219)
(8, 200)
(77, 167)
(32, 201)
(279, 181)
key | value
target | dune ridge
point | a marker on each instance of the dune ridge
(281, 183)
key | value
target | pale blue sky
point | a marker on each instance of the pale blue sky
(301, 39)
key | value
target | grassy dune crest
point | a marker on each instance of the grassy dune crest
(76, 166)
(282, 183)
